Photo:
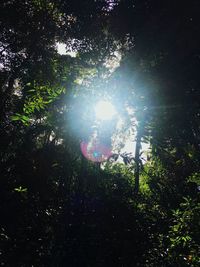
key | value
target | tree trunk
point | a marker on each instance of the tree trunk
(137, 160)
(5, 98)
(82, 176)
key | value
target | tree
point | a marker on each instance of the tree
(60, 202)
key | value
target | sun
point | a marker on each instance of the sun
(104, 110)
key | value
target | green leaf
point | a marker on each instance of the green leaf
(20, 189)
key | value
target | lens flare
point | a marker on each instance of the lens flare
(104, 110)
(95, 152)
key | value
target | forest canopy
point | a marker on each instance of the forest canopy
(71, 194)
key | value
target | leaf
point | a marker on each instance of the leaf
(15, 118)
(20, 189)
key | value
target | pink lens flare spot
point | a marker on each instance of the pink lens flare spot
(95, 152)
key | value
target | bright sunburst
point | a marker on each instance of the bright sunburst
(104, 110)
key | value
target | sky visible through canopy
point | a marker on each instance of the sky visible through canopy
(105, 110)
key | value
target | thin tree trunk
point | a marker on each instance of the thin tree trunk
(5, 97)
(83, 175)
(137, 160)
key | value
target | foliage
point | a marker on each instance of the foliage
(183, 234)
(57, 208)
